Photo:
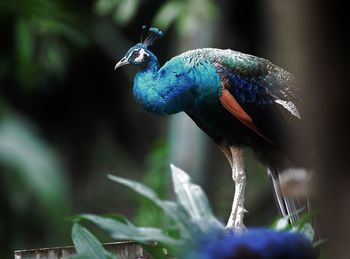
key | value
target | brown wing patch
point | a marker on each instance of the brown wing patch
(230, 104)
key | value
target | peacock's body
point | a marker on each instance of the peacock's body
(237, 99)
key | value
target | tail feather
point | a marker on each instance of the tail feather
(291, 206)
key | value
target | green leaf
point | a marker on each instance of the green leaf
(305, 219)
(194, 200)
(79, 217)
(308, 231)
(167, 14)
(126, 11)
(191, 215)
(137, 187)
(168, 206)
(171, 209)
(155, 251)
(87, 245)
(114, 228)
(127, 231)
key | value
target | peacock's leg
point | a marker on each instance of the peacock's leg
(239, 177)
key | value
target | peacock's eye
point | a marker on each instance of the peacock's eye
(135, 54)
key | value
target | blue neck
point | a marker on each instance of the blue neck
(145, 85)
(152, 66)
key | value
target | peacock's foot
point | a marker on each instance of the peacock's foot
(236, 221)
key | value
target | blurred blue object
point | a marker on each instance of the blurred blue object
(254, 243)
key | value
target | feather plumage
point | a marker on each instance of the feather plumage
(237, 99)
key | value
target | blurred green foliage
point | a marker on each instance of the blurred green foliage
(122, 11)
(190, 217)
(187, 218)
(185, 15)
(34, 182)
(43, 35)
(32, 164)
(157, 164)
(42, 32)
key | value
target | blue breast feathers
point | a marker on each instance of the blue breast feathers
(177, 86)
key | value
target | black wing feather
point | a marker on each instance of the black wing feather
(257, 94)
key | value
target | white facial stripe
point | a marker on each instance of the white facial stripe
(289, 106)
(141, 55)
(127, 58)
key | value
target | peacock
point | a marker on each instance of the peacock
(238, 100)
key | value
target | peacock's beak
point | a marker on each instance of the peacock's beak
(122, 62)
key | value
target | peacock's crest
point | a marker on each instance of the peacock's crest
(153, 34)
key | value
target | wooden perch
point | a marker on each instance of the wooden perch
(123, 250)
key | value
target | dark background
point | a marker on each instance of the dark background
(67, 118)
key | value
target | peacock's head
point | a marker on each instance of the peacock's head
(139, 53)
